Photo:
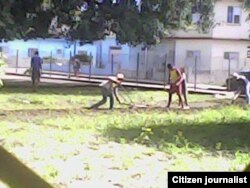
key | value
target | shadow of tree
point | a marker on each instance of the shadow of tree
(231, 136)
(15, 174)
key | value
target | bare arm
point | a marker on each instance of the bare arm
(178, 82)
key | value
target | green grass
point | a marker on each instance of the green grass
(66, 142)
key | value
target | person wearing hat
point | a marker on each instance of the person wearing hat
(247, 87)
(109, 88)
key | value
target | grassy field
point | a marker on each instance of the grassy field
(53, 133)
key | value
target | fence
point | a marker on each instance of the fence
(217, 72)
(137, 66)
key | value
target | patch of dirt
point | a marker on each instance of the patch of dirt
(23, 113)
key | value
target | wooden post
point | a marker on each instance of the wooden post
(165, 70)
(195, 72)
(137, 67)
(229, 72)
(17, 52)
(70, 56)
(90, 65)
(50, 63)
(112, 64)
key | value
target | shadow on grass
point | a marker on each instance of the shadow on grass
(224, 136)
(15, 174)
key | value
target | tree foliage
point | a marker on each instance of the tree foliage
(133, 21)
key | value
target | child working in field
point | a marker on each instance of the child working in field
(175, 78)
(109, 89)
(76, 66)
(183, 82)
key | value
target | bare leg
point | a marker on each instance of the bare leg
(185, 92)
(179, 94)
(169, 99)
(180, 99)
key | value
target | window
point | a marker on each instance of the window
(233, 14)
(31, 51)
(248, 52)
(193, 54)
(82, 52)
(59, 51)
(231, 55)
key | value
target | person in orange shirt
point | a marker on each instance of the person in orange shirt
(175, 78)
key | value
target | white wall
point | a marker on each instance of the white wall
(204, 46)
(191, 33)
(212, 68)
(103, 54)
(45, 46)
(218, 49)
(230, 30)
(203, 63)
(220, 66)
(222, 29)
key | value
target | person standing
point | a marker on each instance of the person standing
(109, 88)
(183, 82)
(175, 77)
(76, 66)
(36, 67)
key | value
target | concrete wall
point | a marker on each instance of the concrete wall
(230, 30)
(46, 48)
(192, 32)
(211, 66)
(220, 66)
(221, 28)
(183, 46)
(203, 47)
(104, 57)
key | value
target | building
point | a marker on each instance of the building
(221, 51)
(108, 57)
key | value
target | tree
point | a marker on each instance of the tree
(133, 21)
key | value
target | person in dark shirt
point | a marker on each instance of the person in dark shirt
(36, 66)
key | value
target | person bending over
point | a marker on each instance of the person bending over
(246, 87)
(109, 88)
(175, 77)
